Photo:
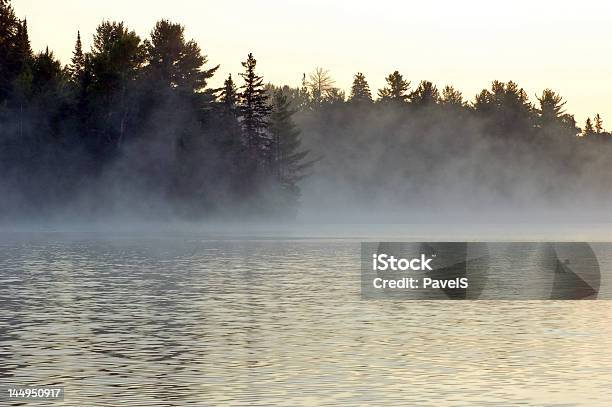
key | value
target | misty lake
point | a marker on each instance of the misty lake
(189, 319)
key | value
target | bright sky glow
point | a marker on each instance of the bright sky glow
(558, 44)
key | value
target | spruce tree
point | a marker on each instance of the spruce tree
(396, 89)
(360, 90)
(229, 95)
(230, 131)
(77, 63)
(254, 107)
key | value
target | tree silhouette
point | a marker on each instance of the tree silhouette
(598, 124)
(229, 95)
(288, 157)
(588, 128)
(508, 109)
(175, 61)
(425, 95)
(396, 89)
(320, 84)
(76, 69)
(10, 63)
(360, 91)
(451, 97)
(551, 107)
(254, 107)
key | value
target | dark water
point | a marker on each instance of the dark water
(187, 320)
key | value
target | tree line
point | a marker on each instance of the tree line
(133, 124)
(137, 118)
(318, 90)
(416, 147)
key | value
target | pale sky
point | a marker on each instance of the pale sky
(563, 45)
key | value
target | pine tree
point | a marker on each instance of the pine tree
(115, 61)
(228, 133)
(47, 73)
(425, 95)
(588, 128)
(451, 97)
(23, 50)
(77, 63)
(229, 95)
(360, 91)
(598, 124)
(516, 101)
(395, 90)
(254, 107)
(508, 107)
(116, 56)
(551, 107)
(173, 60)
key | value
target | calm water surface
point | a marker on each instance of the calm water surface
(194, 321)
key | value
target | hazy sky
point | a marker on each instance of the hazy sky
(564, 45)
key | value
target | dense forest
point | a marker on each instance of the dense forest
(133, 126)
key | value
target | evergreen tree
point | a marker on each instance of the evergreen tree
(229, 95)
(173, 60)
(254, 107)
(289, 164)
(76, 68)
(508, 108)
(116, 56)
(287, 141)
(21, 60)
(335, 96)
(483, 103)
(47, 73)
(425, 95)
(515, 100)
(23, 50)
(304, 100)
(115, 62)
(229, 99)
(360, 91)
(451, 97)
(396, 89)
(9, 67)
(598, 124)
(551, 117)
(551, 107)
(588, 128)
